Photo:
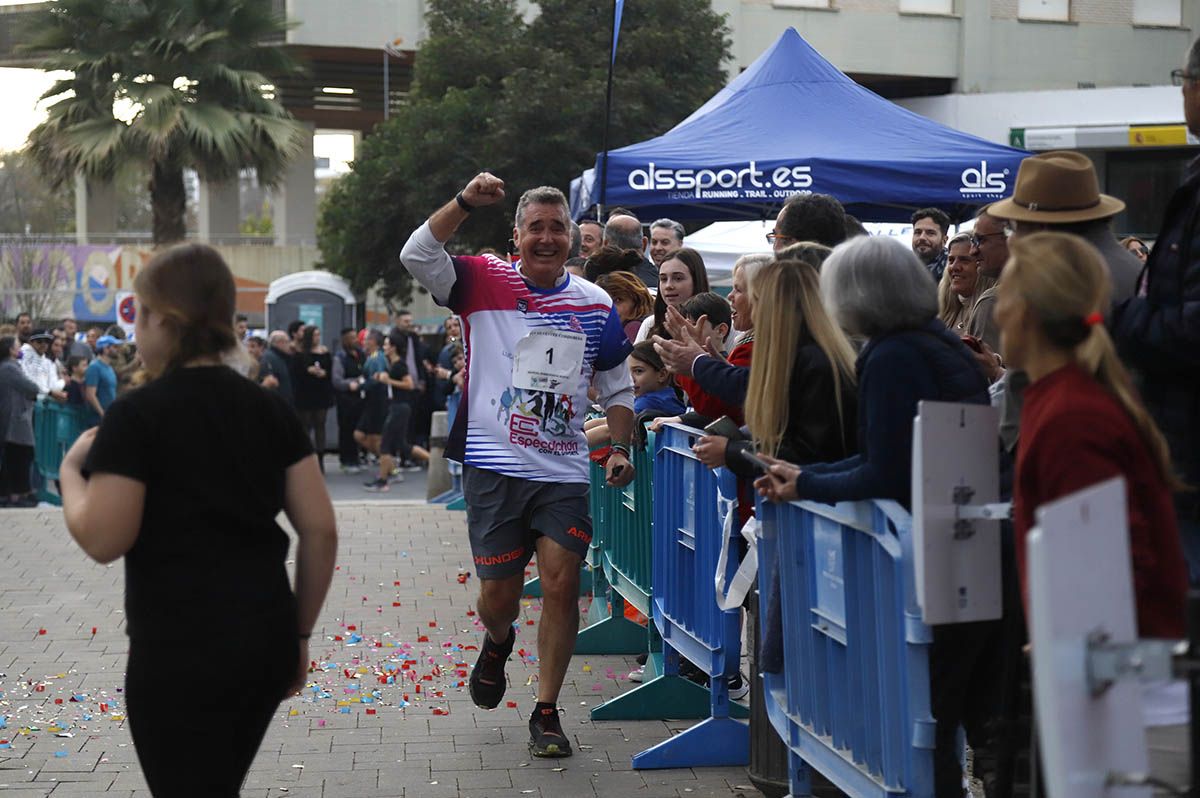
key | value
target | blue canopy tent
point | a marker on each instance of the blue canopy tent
(793, 122)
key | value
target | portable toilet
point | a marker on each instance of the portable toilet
(317, 298)
(314, 297)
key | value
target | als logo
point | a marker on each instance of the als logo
(982, 183)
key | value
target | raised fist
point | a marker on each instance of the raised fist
(484, 189)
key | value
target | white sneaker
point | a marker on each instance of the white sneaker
(638, 674)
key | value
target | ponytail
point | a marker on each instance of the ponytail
(1064, 281)
(1098, 356)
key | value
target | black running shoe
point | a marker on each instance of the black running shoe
(488, 682)
(546, 735)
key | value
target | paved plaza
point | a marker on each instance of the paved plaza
(388, 714)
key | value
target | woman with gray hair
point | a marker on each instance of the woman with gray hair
(877, 289)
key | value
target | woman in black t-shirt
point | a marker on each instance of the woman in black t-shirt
(185, 478)
(312, 384)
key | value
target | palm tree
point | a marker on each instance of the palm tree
(164, 84)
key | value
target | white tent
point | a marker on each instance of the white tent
(722, 243)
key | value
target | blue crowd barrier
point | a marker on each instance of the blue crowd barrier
(627, 562)
(853, 700)
(688, 537)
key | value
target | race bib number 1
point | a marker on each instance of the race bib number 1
(547, 360)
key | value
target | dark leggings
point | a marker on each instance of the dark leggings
(208, 752)
(313, 422)
(14, 469)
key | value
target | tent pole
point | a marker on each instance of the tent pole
(607, 119)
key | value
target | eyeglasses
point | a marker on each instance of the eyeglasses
(977, 239)
(1178, 76)
(772, 237)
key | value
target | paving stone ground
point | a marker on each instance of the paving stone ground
(397, 608)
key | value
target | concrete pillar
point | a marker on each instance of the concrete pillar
(218, 211)
(975, 47)
(95, 209)
(439, 480)
(295, 198)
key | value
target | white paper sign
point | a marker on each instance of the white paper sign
(1081, 581)
(547, 360)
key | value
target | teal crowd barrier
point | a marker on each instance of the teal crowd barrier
(55, 429)
(853, 699)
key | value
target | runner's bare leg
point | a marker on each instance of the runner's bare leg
(558, 569)
(499, 605)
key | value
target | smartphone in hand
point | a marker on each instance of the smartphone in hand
(973, 343)
(754, 458)
(726, 427)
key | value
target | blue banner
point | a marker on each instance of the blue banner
(618, 9)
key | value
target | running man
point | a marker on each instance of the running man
(536, 338)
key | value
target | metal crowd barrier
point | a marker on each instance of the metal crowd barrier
(627, 562)
(55, 428)
(688, 538)
(608, 630)
(853, 701)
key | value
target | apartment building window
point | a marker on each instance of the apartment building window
(1054, 10)
(1168, 13)
(801, 3)
(927, 6)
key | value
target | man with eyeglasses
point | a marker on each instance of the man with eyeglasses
(809, 217)
(1157, 331)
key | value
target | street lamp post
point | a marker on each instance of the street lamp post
(390, 49)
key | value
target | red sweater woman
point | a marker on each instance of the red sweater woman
(1082, 423)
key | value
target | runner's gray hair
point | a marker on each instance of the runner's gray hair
(672, 225)
(542, 195)
(875, 285)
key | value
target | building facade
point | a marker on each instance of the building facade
(1092, 75)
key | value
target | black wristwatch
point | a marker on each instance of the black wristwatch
(462, 203)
